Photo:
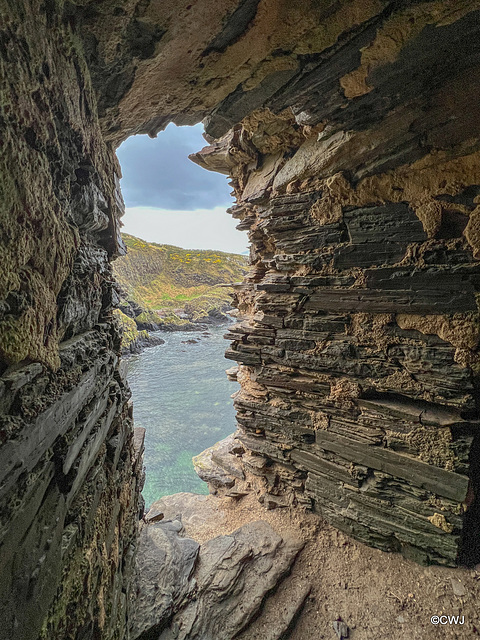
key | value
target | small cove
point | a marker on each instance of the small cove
(181, 396)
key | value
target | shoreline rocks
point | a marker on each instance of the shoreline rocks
(134, 341)
(142, 342)
(189, 591)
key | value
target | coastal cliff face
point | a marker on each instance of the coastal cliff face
(357, 350)
(351, 133)
(358, 183)
(166, 288)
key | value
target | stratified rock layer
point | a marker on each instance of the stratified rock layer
(69, 471)
(358, 346)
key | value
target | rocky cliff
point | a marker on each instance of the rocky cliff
(350, 131)
(69, 470)
(358, 349)
(357, 354)
(166, 288)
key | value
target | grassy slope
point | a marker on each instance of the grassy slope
(167, 278)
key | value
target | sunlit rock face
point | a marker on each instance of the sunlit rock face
(350, 131)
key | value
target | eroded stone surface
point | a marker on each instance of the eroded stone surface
(70, 477)
(358, 387)
(164, 563)
(233, 575)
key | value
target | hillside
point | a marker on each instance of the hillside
(167, 288)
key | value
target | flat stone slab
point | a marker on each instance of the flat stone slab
(195, 511)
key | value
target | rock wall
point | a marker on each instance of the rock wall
(358, 347)
(355, 165)
(68, 468)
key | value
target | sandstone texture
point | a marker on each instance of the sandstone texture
(350, 131)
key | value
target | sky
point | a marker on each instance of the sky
(171, 200)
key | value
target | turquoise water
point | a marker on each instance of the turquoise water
(181, 396)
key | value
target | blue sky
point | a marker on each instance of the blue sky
(171, 200)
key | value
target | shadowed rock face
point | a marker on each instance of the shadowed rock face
(350, 132)
(213, 590)
(357, 348)
(165, 562)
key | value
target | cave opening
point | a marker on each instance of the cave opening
(352, 131)
(174, 284)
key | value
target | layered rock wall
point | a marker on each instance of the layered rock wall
(68, 469)
(358, 348)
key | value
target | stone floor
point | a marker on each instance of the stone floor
(377, 595)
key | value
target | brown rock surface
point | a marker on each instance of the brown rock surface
(374, 593)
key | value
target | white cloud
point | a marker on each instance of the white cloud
(157, 172)
(200, 229)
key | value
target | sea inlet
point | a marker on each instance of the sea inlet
(181, 396)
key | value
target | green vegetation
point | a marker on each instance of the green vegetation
(129, 327)
(165, 281)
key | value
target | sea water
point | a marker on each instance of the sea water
(181, 396)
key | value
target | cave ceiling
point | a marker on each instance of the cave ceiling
(348, 64)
